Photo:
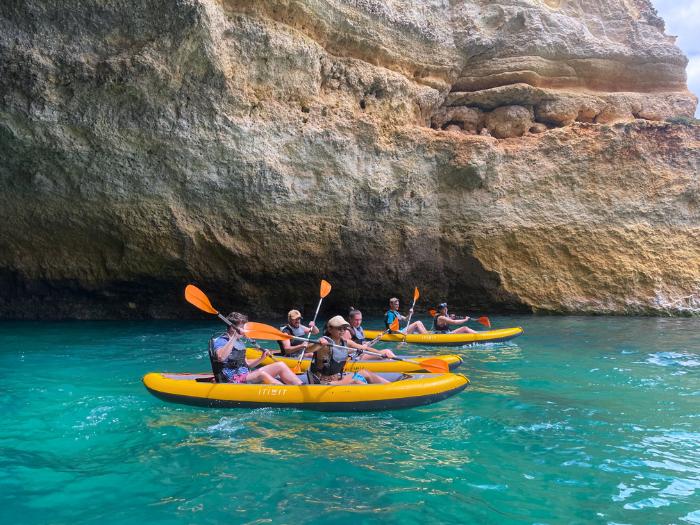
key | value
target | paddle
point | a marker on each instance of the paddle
(436, 366)
(483, 319)
(325, 290)
(416, 295)
(198, 298)
(394, 327)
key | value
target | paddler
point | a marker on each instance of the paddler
(356, 334)
(292, 347)
(329, 357)
(236, 368)
(393, 313)
(442, 322)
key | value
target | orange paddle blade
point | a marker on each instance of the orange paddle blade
(432, 312)
(485, 321)
(436, 366)
(196, 297)
(394, 326)
(264, 331)
(325, 288)
(261, 327)
(265, 336)
(416, 295)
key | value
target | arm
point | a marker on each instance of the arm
(312, 329)
(386, 354)
(224, 351)
(252, 363)
(352, 344)
(288, 349)
(449, 320)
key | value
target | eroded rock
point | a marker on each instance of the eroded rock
(256, 147)
(509, 121)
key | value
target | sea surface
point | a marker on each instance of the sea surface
(580, 420)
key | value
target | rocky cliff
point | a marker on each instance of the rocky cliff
(510, 154)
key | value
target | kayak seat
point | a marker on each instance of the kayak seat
(216, 365)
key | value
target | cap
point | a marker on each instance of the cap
(337, 322)
(293, 314)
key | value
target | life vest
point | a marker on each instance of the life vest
(441, 329)
(329, 360)
(389, 317)
(357, 334)
(298, 332)
(236, 359)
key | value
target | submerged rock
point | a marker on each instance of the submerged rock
(255, 147)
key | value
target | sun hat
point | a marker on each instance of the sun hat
(294, 314)
(337, 322)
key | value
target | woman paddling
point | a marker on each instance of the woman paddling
(331, 354)
(442, 322)
(356, 334)
(393, 313)
(230, 353)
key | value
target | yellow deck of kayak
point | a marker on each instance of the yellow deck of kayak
(491, 336)
(197, 389)
(373, 365)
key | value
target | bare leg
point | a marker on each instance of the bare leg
(464, 330)
(348, 379)
(283, 371)
(416, 327)
(371, 377)
(260, 376)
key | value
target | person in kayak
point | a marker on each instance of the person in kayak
(356, 334)
(393, 313)
(292, 347)
(229, 351)
(330, 357)
(442, 322)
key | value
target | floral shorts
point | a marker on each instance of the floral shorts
(236, 375)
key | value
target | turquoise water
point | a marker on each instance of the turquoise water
(580, 420)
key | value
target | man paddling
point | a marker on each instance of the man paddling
(393, 313)
(294, 327)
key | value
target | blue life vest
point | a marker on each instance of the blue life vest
(389, 317)
(236, 359)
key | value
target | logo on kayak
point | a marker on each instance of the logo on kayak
(272, 392)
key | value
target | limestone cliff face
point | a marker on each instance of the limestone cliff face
(508, 154)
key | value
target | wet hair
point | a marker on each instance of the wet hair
(237, 319)
(393, 300)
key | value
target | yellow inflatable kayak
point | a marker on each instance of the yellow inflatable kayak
(404, 391)
(491, 336)
(373, 365)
